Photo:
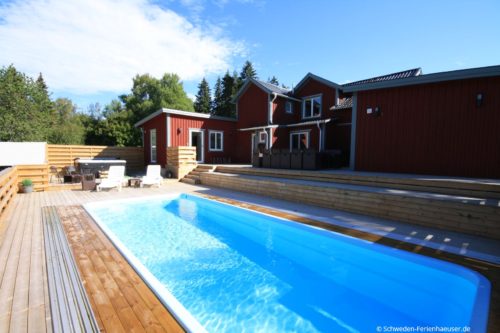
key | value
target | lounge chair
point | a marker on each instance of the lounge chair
(115, 178)
(153, 176)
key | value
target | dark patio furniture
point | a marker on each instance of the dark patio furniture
(88, 182)
(284, 159)
(312, 160)
(70, 175)
(266, 159)
(55, 173)
(296, 159)
(256, 160)
(275, 158)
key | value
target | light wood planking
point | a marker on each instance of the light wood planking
(25, 209)
(122, 303)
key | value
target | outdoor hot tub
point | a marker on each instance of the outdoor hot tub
(96, 165)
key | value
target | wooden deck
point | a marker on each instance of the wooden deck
(119, 298)
(24, 303)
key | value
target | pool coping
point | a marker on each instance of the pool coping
(480, 267)
(183, 317)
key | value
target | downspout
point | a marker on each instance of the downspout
(270, 121)
(270, 113)
(320, 136)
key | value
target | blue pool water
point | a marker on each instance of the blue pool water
(236, 270)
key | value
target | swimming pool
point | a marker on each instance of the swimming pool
(227, 269)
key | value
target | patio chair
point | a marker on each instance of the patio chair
(115, 178)
(54, 173)
(153, 176)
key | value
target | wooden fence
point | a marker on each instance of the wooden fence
(8, 187)
(39, 174)
(64, 155)
(181, 160)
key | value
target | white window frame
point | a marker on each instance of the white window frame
(221, 133)
(304, 106)
(153, 145)
(308, 139)
(288, 107)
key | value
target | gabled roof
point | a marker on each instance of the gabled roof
(266, 86)
(427, 78)
(316, 78)
(181, 113)
(393, 76)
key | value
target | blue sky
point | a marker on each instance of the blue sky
(90, 50)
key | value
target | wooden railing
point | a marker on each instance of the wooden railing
(39, 174)
(64, 155)
(8, 187)
(181, 160)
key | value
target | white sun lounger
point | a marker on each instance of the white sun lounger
(115, 178)
(153, 176)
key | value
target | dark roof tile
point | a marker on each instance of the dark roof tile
(388, 77)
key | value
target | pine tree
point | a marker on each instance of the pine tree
(218, 100)
(273, 80)
(247, 72)
(228, 109)
(203, 102)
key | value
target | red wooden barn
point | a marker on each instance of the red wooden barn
(406, 122)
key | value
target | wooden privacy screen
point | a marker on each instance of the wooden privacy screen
(64, 155)
(8, 187)
(39, 174)
(181, 160)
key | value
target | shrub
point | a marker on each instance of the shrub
(27, 182)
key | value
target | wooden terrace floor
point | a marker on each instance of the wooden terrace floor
(112, 285)
(120, 299)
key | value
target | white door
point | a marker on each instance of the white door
(196, 139)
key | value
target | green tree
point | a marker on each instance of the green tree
(149, 95)
(67, 126)
(218, 99)
(229, 87)
(203, 102)
(116, 129)
(25, 108)
(247, 72)
(273, 80)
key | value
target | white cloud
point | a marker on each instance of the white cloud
(84, 46)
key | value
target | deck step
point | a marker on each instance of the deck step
(191, 181)
(462, 214)
(482, 188)
(69, 305)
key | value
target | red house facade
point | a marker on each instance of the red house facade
(441, 124)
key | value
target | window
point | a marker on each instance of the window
(288, 107)
(299, 140)
(152, 144)
(215, 141)
(311, 107)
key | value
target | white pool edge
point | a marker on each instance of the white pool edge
(183, 316)
(479, 319)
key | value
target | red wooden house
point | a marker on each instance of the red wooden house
(443, 123)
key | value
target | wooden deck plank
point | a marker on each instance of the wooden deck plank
(8, 284)
(152, 314)
(19, 316)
